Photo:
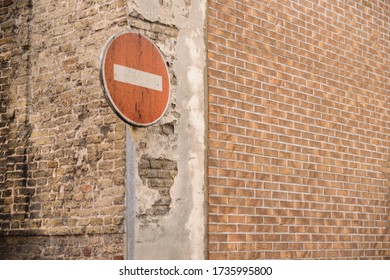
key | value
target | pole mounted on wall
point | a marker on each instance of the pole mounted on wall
(136, 84)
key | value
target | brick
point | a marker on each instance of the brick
(303, 117)
(47, 157)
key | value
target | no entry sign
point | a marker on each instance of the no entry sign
(135, 78)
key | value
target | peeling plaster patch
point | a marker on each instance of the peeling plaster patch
(180, 233)
(137, 20)
(168, 46)
(158, 174)
(149, 197)
(163, 10)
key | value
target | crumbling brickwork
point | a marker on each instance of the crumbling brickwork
(62, 156)
(14, 127)
(67, 247)
(158, 174)
(170, 156)
(299, 127)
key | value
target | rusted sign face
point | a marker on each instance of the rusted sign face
(135, 78)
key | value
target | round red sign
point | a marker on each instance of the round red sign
(135, 78)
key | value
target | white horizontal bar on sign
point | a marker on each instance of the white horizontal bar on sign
(136, 77)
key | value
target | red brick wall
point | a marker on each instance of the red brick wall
(299, 129)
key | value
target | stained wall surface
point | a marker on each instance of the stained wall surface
(62, 155)
(170, 157)
(299, 127)
(62, 159)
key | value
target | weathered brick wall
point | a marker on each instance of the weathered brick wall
(68, 247)
(299, 129)
(14, 127)
(62, 155)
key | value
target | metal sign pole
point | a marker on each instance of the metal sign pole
(131, 63)
(130, 184)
